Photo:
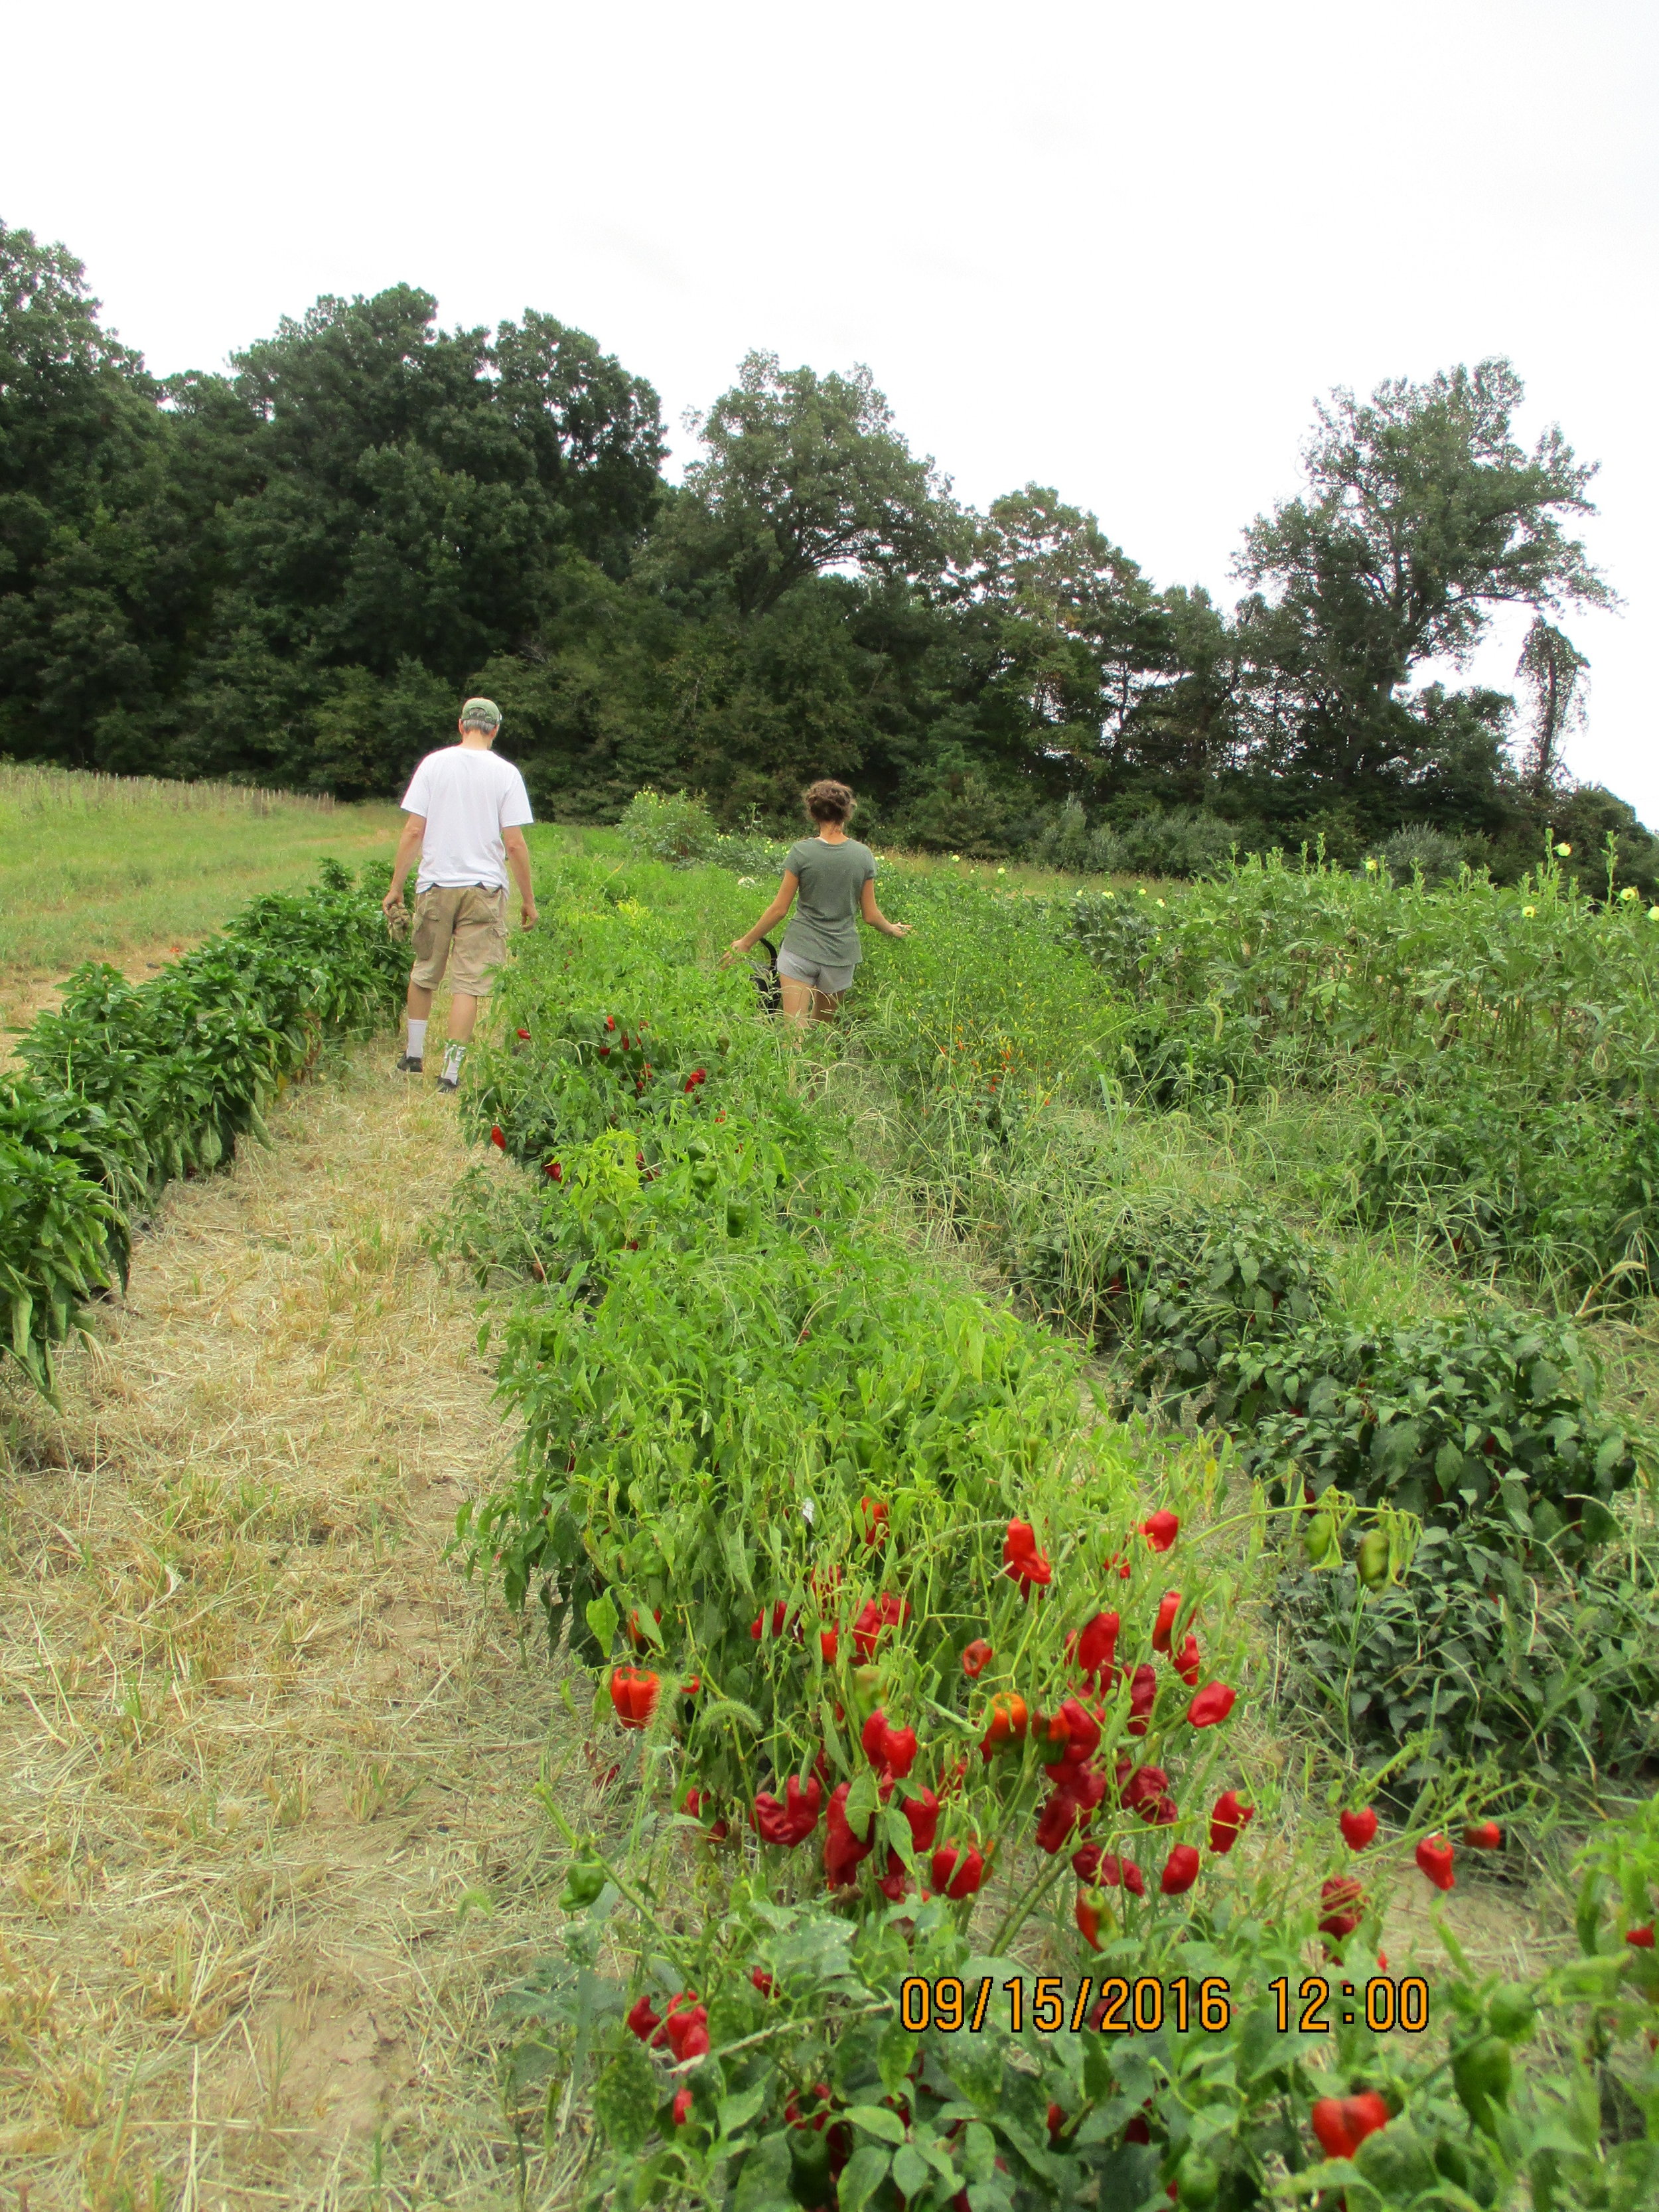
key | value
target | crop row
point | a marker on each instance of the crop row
(1523, 1629)
(1499, 1049)
(917, 1675)
(128, 1086)
(1526, 1627)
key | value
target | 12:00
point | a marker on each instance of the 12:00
(1387, 2004)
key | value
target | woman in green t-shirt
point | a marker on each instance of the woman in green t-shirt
(834, 878)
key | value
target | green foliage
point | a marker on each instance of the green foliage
(1503, 1040)
(62, 1240)
(1479, 1654)
(1488, 1426)
(749, 851)
(679, 830)
(293, 572)
(961, 812)
(1421, 512)
(127, 864)
(1566, 1190)
(1491, 1420)
(1420, 850)
(749, 1413)
(1188, 1284)
(1355, 973)
(801, 473)
(99, 585)
(132, 1086)
(1175, 841)
(1179, 841)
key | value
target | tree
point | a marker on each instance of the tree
(421, 502)
(594, 433)
(1553, 669)
(86, 533)
(802, 474)
(1421, 515)
(1081, 631)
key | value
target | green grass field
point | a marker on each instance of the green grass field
(109, 867)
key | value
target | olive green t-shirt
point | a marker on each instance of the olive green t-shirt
(825, 928)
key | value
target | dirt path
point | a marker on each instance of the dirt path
(266, 1759)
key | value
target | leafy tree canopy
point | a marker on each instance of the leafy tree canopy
(1421, 515)
(801, 475)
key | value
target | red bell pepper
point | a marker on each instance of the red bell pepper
(1229, 1821)
(1180, 1871)
(633, 1695)
(1212, 1704)
(957, 1873)
(1434, 1860)
(1092, 1649)
(1342, 2123)
(793, 1821)
(1143, 1695)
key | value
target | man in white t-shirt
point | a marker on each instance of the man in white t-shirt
(466, 814)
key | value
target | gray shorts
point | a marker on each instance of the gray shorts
(832, 980)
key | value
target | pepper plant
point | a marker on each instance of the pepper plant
(918, 1678)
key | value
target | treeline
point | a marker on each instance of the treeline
(291, 573)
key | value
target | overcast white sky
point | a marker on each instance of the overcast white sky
(1119, 249)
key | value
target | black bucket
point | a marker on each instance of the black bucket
(766, 979)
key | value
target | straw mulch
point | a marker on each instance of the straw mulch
(268, 1847)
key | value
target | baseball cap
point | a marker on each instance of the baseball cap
(481, 714)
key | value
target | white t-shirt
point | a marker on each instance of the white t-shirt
(469, 797)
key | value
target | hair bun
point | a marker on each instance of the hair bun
(828, 800)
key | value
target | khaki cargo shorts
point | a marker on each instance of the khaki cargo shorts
(462, 927)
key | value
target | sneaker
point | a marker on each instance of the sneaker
(449, 1083)
(408, 1066)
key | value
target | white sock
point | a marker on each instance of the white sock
(454, 1056)
(417, 1047)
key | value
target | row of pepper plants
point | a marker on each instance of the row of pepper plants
(1505, 1041)
(940, 1872)
(1488, 1423)
(127, 1086)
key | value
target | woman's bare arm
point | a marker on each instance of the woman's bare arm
(773, 915)
(875, 917)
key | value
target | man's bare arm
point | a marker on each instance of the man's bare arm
(517, 860)
(408, 851)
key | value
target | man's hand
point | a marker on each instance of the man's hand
(392, 903)
(529, 913)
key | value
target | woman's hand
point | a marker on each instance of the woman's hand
(734, 951)
(900, 928)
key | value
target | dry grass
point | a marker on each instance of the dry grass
(269, 1843)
